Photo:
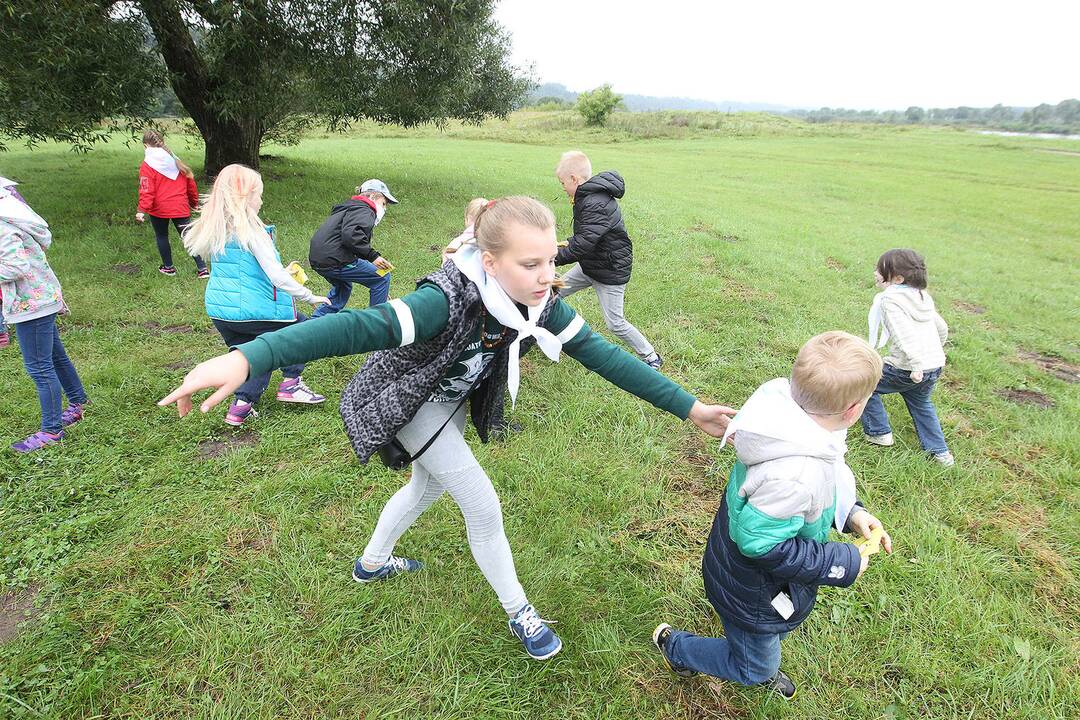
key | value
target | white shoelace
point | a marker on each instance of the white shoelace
(531, 622)
(398, 563)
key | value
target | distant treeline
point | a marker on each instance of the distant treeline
(1061, 118)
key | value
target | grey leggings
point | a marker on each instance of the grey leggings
(449, 466)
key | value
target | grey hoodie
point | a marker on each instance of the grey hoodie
(916, 330)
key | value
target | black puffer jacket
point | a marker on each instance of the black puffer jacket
(344, 236)
(600, 243)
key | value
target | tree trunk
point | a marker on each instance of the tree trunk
(230, 142)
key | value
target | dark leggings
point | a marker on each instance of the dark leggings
(161, 234)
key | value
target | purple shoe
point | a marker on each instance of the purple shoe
(5, 339)
(37, 441)
(239, 412)
(72, 414)
(294, 390)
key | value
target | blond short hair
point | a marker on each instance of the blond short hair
(473, 209)
(574, 162)
(833, 371)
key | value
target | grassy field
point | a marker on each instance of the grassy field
(182, 569)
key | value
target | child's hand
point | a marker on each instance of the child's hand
(320, 300)
(140, 216)
(916, 376)
(863, 523)
(712, 419)
(381, 263)
(225, 372)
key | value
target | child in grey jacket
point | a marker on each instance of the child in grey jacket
(904, 316)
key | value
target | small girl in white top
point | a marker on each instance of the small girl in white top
(904, 316)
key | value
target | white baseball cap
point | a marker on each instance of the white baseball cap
(375, 185)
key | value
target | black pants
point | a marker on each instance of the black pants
(161, 234)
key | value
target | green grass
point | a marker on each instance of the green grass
(176, 586)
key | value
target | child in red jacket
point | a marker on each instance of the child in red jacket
(167, 191)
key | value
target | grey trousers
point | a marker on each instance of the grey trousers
(449, 466)
(611, 304)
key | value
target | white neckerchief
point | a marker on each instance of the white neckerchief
(879, 332)
(499, 304)
(15, 210)
(162, 160)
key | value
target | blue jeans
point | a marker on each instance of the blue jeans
(49, 367)
(237, 333)
(740, 656)
(917, 397)
(342, 279)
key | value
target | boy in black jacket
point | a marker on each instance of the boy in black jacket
(341, 248)
(600, 246)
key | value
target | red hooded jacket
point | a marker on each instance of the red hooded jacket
(164, 198)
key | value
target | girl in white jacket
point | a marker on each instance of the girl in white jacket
(904, 316)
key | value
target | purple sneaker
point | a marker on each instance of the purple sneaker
(5, 339)
(72, 414)
(37, 441)
(239, 412)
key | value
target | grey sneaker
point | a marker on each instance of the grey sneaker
(945, 458)
(885, 440)
(660, 637)
(780, 684)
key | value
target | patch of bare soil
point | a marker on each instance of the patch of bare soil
(834, 264)
(1056, 366)
(970, 308)
(211, 449)
(1025, 397)
(17, 609)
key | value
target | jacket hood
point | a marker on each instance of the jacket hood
(609, 182)
(918, 304)
(771, 426)
(352, 203)
(20, 215)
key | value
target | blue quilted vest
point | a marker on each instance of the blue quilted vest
(240, 291)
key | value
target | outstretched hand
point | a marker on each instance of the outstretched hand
(225, 373)
(713, 419)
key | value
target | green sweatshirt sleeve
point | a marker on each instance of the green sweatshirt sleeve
(419, 316)
(615, 365)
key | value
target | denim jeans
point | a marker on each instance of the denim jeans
(917, 397)
(49, 367)
(237, 333)
(161, 235)
(342, 279)
(740, 656)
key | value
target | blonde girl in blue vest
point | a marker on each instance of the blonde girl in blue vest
(460, 331)
(250, 293)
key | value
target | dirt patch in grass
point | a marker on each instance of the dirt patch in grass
(1025, 397)
(210, 449)
(16, 609)
(126, 268)
(702, 227)
(970, 308)
(834, 264)
(435, 248)
(1056, 366)
(178, 329)
(241, 539)
(178, 365)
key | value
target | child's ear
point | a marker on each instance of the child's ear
(487, 261)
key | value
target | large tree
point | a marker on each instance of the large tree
(249, 70)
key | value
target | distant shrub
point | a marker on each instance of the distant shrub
(596, 105)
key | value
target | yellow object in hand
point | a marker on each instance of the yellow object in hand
(871, 545)
(297, 272)
(382, 271)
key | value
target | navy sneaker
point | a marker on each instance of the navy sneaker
(389, 569)
(655, 361)
(532, 630)
(660, 638)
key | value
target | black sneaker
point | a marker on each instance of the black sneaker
(655, 361)
(780, 684)
(660, 637)
(167, 270)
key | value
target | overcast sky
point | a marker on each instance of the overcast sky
(814, 53)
